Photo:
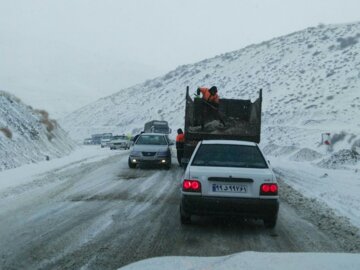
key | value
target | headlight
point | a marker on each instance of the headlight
(135, 153)
(163, 154)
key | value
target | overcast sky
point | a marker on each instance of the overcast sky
(86, 49)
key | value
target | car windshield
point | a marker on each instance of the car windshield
(151, 140)
(224, 155)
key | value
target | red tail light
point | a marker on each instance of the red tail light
(186, 185)
(269, 189)
(191, 185)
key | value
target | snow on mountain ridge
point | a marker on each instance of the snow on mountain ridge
(28, 135)
(310, 79)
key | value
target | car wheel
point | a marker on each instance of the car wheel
(131, 165)
(270, 222)
(185, 218)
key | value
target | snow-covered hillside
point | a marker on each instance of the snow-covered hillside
(310, 81)
(28, 135)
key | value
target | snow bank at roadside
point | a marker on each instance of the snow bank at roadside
(328, 174)
(253, 261)
(27, 173)
(338, 188)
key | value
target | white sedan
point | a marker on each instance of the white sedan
(226, 177)
(119, 142)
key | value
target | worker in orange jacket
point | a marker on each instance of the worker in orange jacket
(210, 104)
(209, 95)
(180, 139)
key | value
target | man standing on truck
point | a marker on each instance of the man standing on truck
(209, 95)
(180, 138)
(210, 104)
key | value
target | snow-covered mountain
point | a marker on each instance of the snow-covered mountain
(28, 135)
(310, 81)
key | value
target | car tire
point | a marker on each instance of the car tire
(185, 218)
(270, 222)
(131, 165)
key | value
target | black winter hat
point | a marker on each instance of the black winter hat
(213, 89)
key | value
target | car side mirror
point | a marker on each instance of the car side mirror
(171, 143)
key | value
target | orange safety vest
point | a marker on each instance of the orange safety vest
(180, 138)
(207, 96)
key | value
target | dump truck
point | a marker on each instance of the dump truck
(233, 119)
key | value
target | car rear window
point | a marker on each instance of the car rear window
(152, 140)
(229, 155)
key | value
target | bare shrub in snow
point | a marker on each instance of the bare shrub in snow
(43, 113)
(356, 146)
(330, 73)
(158, 84)
(338, 137)
(10, 97)
(168, 76)
(50, 124)
(347, 42)
(50, 136)
(7, 132)
(340, 159)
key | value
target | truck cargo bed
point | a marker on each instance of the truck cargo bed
(234, 119)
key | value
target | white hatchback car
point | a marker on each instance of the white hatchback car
(227, 177)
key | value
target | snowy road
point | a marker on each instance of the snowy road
(102, 215)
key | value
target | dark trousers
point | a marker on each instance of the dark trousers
(180, 154)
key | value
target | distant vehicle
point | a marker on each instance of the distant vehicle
(105, 142)
(88, 141)
(151, 148)
(226, 177)
(119, 142)
(96, 138)
(107, 135)
(157, 126)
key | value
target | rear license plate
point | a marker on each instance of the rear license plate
(229, 188)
